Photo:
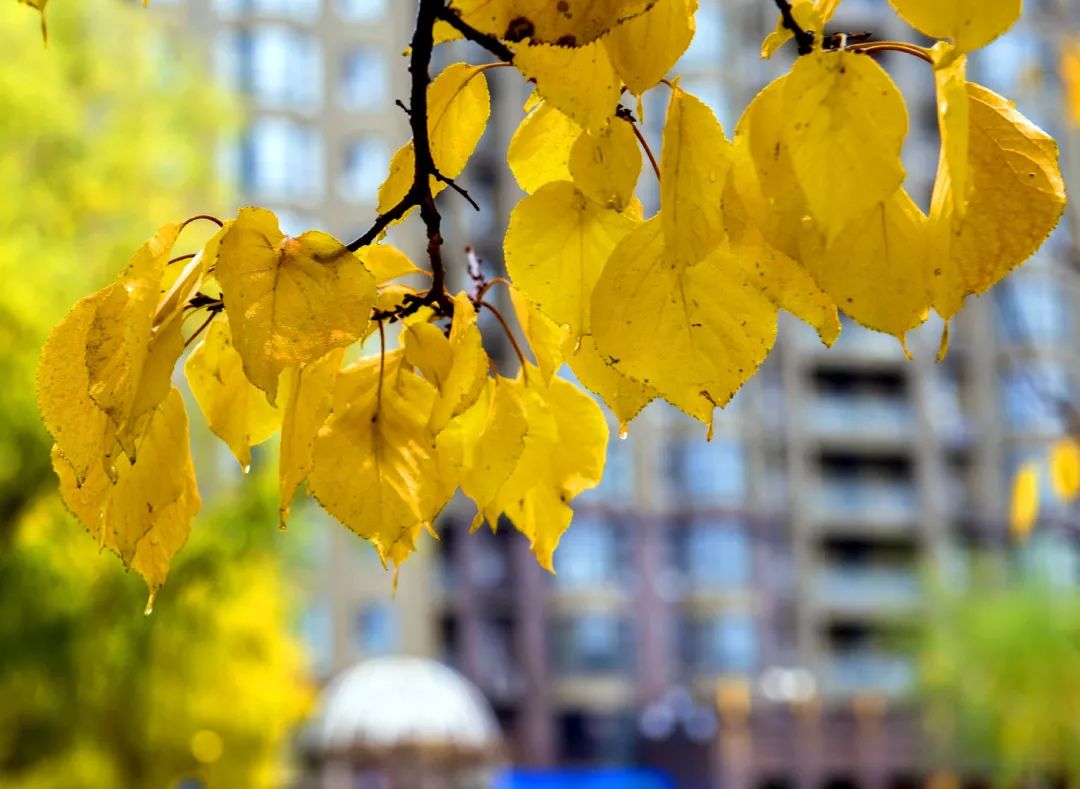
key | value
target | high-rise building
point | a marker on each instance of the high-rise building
(732, 611)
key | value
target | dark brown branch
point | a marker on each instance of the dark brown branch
(803, 38)
(457, 188)
(488, 42)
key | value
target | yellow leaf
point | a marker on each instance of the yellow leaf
(564, 452)
(568, 23)
(236, 411)
(581, 82)
(119, 335)
(1070, 80)
(428, 350)
(764, 177)
(694, 165)
(954, 119)
(468, 369)
(784, 281)
(309, 398)
(485, 441)
(539, 151)
(290, 300)
(877, 269)
(1065, 469)
(1016, 196)
(79, 428)
(145, 517)
(845, 124)
(645, 48)
(386, 263)
(374, 464)
(555, 247)
(605, 165)
(458, 108)
(1024, 505)
(969, 23)
(622, 394)
(693, 333)
(548, 340)
(189, 278)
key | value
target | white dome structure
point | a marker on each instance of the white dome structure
(391, 708)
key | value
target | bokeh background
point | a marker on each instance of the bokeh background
(827, 594)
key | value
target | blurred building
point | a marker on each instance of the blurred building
(733, 611)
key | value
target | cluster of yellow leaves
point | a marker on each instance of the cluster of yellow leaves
(1063, 465)
(804, 210)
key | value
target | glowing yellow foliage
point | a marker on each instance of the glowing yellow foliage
(1070, 80)
(458, 108)
(568, 23)
(539, 151)
(1015, 197)
(555, 248)
(290, 300)
(581, 82)
(693, 333)
(386, 263)
(645, 48)
(1065, 468)
(969, 23)
(1024, 504)
(844, 123)
(236, 411)
(605, 165)
(694, 166)
(145, 516)
(548, 340)
(374, 464)
(954, 119)
(621, 393)
(811, 15)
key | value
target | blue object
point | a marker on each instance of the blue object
(583, 779)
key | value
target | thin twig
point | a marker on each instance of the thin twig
(202, 327)
(207, 217)
(803, 38)
(641, 141)
(490, 284)
(182, 258)
(509, 334)
(488, 42)
(890, 46)
(457, 188)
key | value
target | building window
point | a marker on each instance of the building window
(722, 644)
(1033, 310)
(364, 79)
(278, 66)
(367, 162)
(362, 10)
(592, 644)
(710, 472)
(588, 554)
(617, 485)
(715, 554)
(376, 629)
(1031, 392)
(282, 160)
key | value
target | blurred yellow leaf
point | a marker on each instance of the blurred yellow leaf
(1024, 505)
(1065, 468)
(1070, 79)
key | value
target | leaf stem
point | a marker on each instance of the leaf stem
(207, 217)
(867, 47)
(644, 144)
(509, 334)
(202, 327)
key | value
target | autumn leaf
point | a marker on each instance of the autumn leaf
(386, 263)
(1065, 469)
(643, 49)
(145, 516)
(954, 120)
(548, 341)
(581, 82)
(374, 465)
(458, 108)
(539, 151)
(1024, 504)
(1016, 196)
(235, 410)
(621, 393)
(693, 333)
(694, 165)
(309, 399)
(844, 124)
(605, 165)
(969, 23)
(556, 246)
(569, 23)
(290, 300)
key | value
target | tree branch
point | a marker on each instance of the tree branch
(803, 38)
(488, 42)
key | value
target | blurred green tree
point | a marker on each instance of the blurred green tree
(1000, 670)
(107, 129)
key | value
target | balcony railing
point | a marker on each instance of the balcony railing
(869, 501)
(868, 672)
(869, 588)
